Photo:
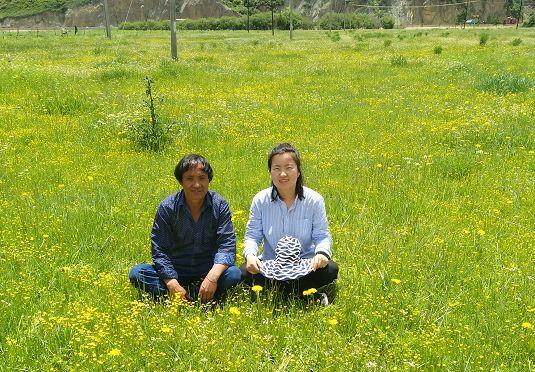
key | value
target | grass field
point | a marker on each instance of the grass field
(425, 160)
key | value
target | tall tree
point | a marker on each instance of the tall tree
(462, 11)
(250, 4)
(514, 8)
(273, 5)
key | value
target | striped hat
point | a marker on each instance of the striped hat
(288, 264)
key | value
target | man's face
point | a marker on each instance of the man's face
(195, 184)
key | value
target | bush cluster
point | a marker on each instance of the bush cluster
(262, 21)
(531, 20)
(398, 61)
(483, 38)
(506, 83)
(258, 21)
(338, 21)
(516, 42)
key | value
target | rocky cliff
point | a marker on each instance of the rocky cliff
(406, 12)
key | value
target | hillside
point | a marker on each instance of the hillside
(87, 13)
(22, 8)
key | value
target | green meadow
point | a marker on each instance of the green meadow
(422, 143)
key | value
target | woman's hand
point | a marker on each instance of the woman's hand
(319, 261)
(253, 264)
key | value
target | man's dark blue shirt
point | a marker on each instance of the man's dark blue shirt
(185, 250)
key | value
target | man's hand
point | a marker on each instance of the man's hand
(319, 261)
(207, 290)
(175, 289)
(253, 264)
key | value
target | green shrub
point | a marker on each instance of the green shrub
(531, 20)
(283, 20)
(145, 25)
(387, 22)
(506, 83)
(356, 36)
(334, 21)
(333, 35)
(483, 38)
(261, 21)
(151, 134)
(307, 23)
(63, 103)
(366, 21)
(337, 21)
(437, 49)
(258, 21)
(494, 19)
(516, 41)
(398, 61)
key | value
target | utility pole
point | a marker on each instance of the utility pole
(173, 30)
(291, 21)
(107, 19)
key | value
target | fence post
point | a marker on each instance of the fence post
(173, 30)
(107, 19)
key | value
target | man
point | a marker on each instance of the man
(193, 240)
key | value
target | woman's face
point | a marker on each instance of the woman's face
(284, 172)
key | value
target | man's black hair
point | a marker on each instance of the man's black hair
(192, 161)
(284, 148)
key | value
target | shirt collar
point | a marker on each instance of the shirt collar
(282, 204)
(207, 200)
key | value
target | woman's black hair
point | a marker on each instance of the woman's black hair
(284, 148)
(192, 161)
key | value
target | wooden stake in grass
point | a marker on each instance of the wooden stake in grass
(291, 21)
(173, 30)
(107, 19)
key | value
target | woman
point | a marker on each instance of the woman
(290, 220)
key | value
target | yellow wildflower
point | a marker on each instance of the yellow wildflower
(309, 292)
(332, 321)
(396, 281)
(527, 325)
(114, 352)
(481, 232)
(166, 329)
(234, 310)
(257, 288)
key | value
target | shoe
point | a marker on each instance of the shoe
(324, 300)
(330, 290)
